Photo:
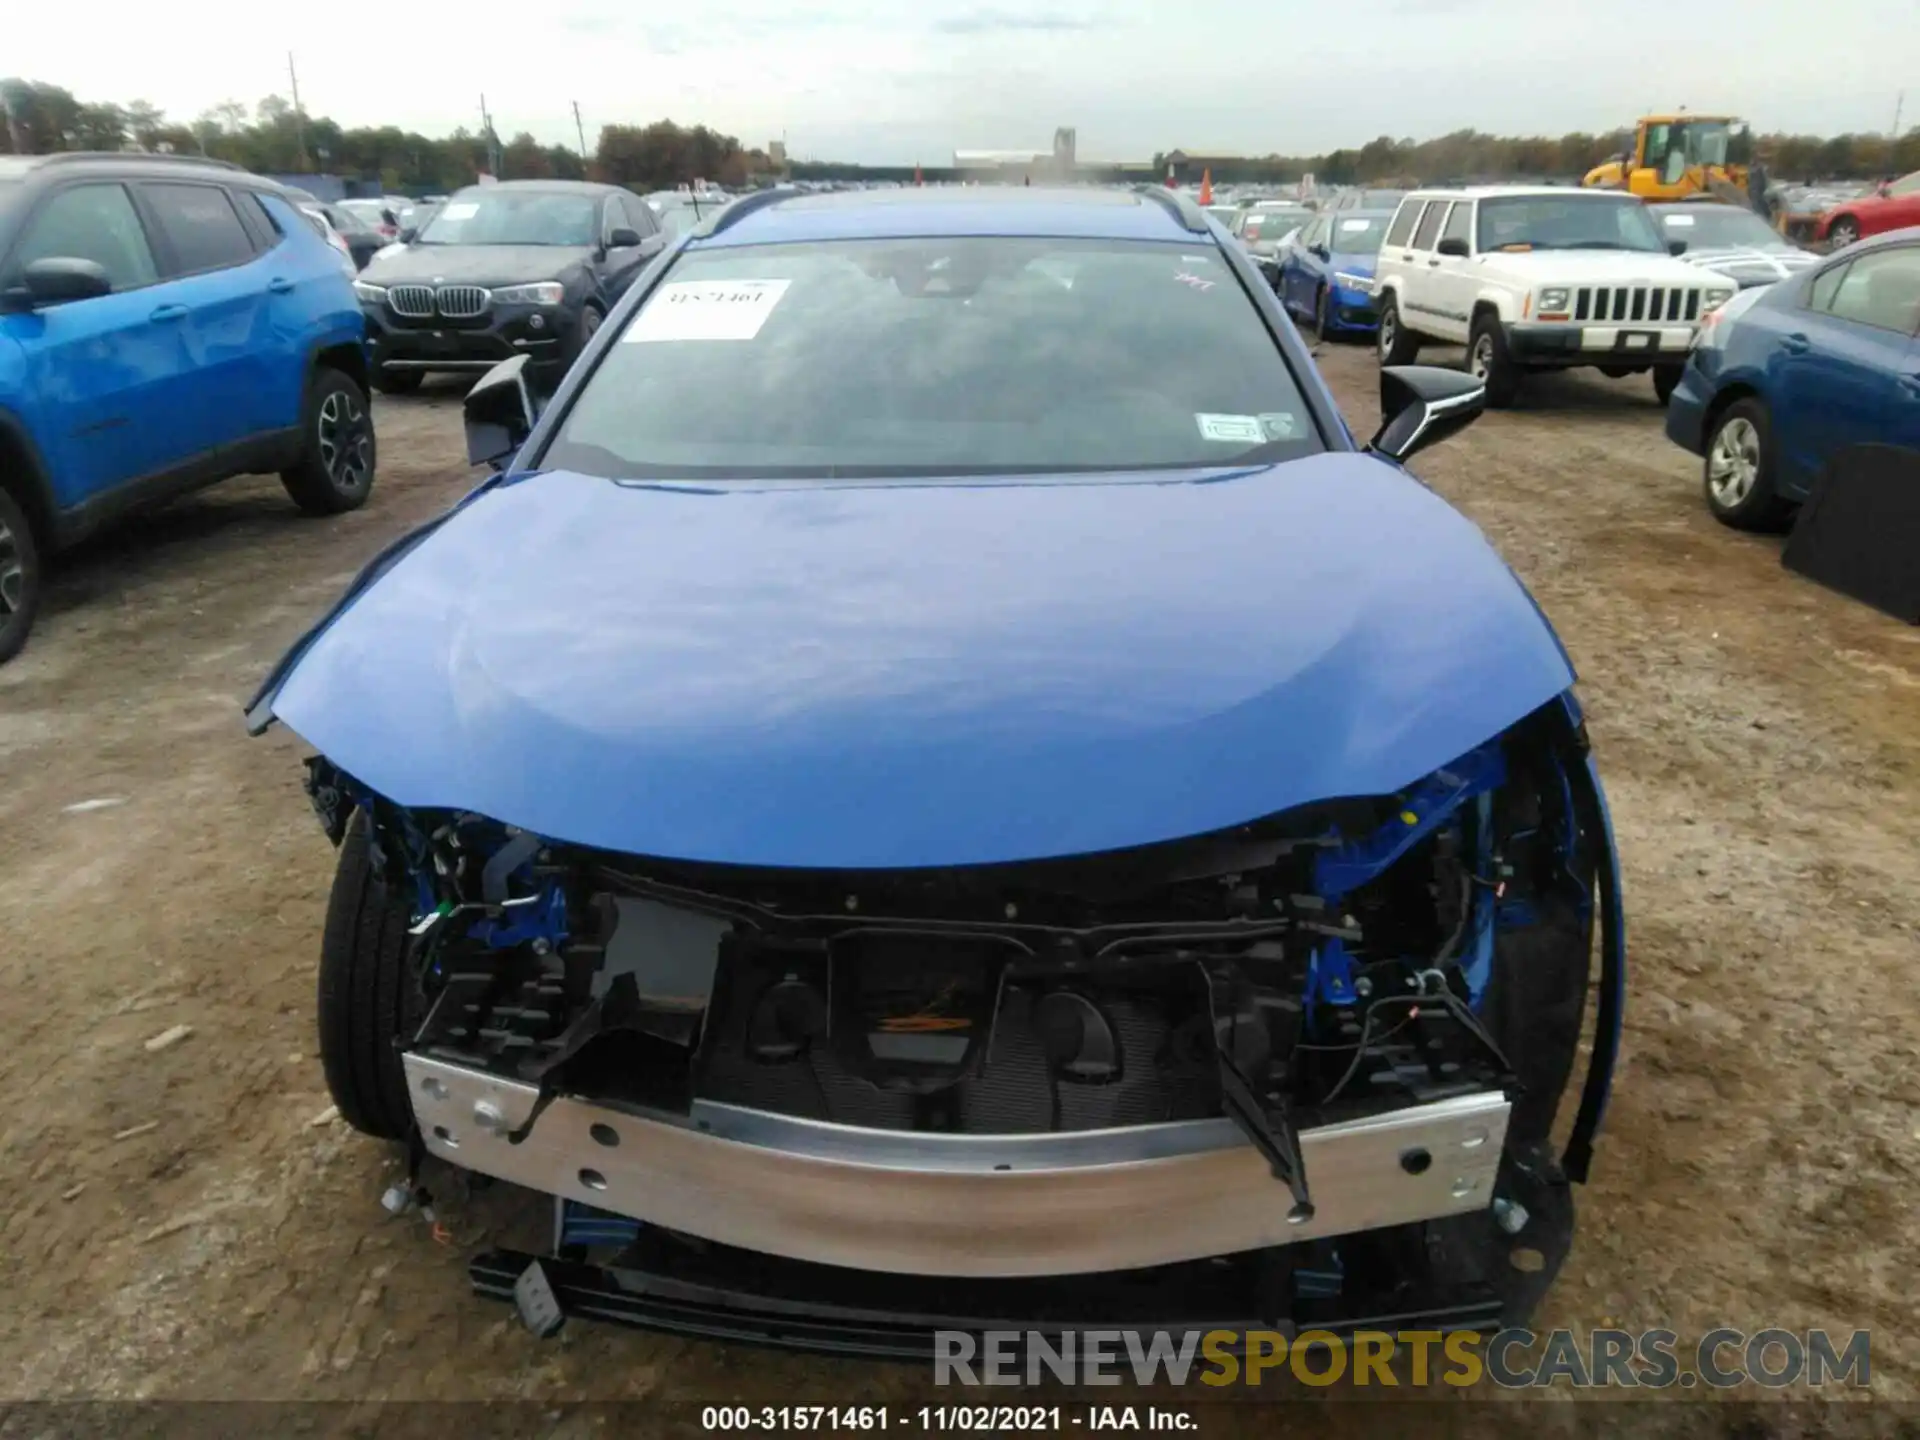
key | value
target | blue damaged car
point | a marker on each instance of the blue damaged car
(937, 784)
(1326, 272)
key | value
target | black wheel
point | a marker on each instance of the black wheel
(1488, 361)
(335, 470)
(20, 577)
(397, 382)
(590, 319)
(1843, 232)
(1398, 346)
(368, 1002)
(1665, 378)
(1321, 330)
(1738, 470)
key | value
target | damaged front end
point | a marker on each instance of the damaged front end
(1305, 1071)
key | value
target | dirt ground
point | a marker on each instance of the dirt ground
(190, 1222)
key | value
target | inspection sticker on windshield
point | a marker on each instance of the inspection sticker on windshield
(707, 310)
(1351, 225)
(460, 210)
(1240, 429)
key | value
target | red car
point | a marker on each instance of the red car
(1893, 206)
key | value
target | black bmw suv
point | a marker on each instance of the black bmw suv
(526, 267)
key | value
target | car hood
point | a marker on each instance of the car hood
(1752, 264)
(1586, 267)
(471, 264)
(860, 675)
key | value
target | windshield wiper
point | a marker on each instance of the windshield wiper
(1596, 245)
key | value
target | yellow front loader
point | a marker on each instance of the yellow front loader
(1682, 157)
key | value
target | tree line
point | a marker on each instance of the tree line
(272, 139)
(1470, 154)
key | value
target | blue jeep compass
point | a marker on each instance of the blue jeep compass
(165, 322)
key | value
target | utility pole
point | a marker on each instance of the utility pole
(581, 131)
(493, 140)
(299, 121)
(1899, 104)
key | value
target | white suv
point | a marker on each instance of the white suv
(1539, 278)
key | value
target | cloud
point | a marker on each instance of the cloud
(1001, 22)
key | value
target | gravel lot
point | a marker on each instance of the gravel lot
(187, 1222)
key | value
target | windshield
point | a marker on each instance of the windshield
(1271, 224)
(1358, 234)
(936, 357)
(371, 211)
(348, 222)
(1572, 222)
(514, 217)
(1717, 225)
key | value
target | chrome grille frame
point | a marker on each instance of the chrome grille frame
(463, 302)
(1658, 304)
(415, 302)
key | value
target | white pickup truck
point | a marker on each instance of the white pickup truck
(1539, 278)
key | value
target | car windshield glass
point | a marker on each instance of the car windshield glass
(348, 222)
(1357, 234)
(1267, 224)
(1381, 199)
(515, 217)
(367, 210)
(896, 358)
(1553, 222)
(1722, 225)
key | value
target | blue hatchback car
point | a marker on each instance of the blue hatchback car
(164, 323)
(1783, 378)
(975, 796)
(1326, 271)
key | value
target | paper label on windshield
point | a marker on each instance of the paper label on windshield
(1237, 429)
(464, 210)
(707, 310)
(1678, 219)
(1352, 225)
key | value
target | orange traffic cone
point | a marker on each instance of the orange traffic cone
(1206, 187)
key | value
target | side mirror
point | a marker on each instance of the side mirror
(623, 239)
(1453, 245)
(499, 413)
(58, 279)
(1323, 252)
(1423, 404)
(408, 235)
(1676, 247)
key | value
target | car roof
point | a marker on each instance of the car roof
(1502, 192)
(139, 163)
(551, 187)
(776, 217)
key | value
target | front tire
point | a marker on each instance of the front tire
(1397, 345)
(1322, 327)
(1737, 473)
(368, 1003)
(1844, 232)
(335, 469)
(21, 577)
(1489, 363)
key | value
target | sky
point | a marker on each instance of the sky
(909, 81)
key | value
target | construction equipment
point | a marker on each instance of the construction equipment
(1682, 157)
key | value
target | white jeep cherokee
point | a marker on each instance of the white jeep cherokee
(1539, 278)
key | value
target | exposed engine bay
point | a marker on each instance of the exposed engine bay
(1334, 962)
